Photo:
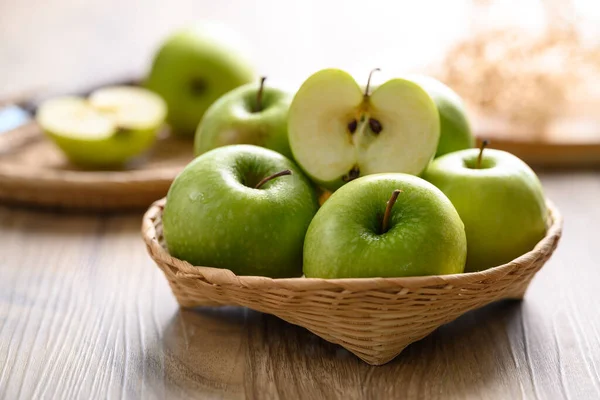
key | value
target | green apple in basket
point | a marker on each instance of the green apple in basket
(251, 114)
(455, 131)
(498, 197)
(194, 67)
(109, 128)
(338, 131)
(240, 207)
(385, 225)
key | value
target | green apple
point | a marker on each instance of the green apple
(243, 208)
(385, 225)
(109, 128)
(251, 114)
(500, 200)
(455, 131)
(337, 132)
(193, 68)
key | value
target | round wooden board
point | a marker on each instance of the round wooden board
(571, 141)
(547, 153)
(35, 172)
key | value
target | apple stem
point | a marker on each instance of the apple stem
(259, 94)
(268, 178)
(369, 81)
(484, 144)
(388, 210)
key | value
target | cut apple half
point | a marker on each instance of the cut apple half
(103, 114)
(131, 107)
(339, 132)
(111, 126)
(74, 117)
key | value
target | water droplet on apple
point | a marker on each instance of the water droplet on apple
(196, 196)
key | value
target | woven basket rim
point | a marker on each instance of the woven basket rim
(220, 276)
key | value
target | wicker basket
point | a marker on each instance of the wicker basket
(373, 318)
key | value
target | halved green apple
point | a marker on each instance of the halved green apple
(338, 132)
(107, 129)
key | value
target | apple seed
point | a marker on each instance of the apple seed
(375, 125)
(352, 174)
(352, 126)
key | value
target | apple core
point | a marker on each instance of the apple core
(339, 131)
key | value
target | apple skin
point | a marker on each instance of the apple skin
(426, 235)
(502, 204)
(455, 131)
(193, 68)
(232, 120)
(107, 153)
(212, 219)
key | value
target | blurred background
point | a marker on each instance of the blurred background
(527, 69)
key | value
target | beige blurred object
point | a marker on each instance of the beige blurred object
(33, 171)
(374, 318)
(533, 91)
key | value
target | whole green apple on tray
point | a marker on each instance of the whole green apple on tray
(455, 131)
(385, 225)
(338, 132)
(193, 68)
(250, 114)
(240, 207)
(499, 199)
(108, 129)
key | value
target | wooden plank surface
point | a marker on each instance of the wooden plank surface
(85, 314)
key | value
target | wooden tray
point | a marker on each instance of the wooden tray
(34, 172)
(571, 141)
(548, 153)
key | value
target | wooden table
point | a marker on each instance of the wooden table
(84, 313)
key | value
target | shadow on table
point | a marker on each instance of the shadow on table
(233, 350)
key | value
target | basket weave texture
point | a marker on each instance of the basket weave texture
(374, 318)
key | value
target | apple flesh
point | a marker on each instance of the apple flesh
(339, 132)
(215, 215)
(501, 203)
(193, 68)
(108, 129)
(455, 131)
(250, 114)
(349, 239)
